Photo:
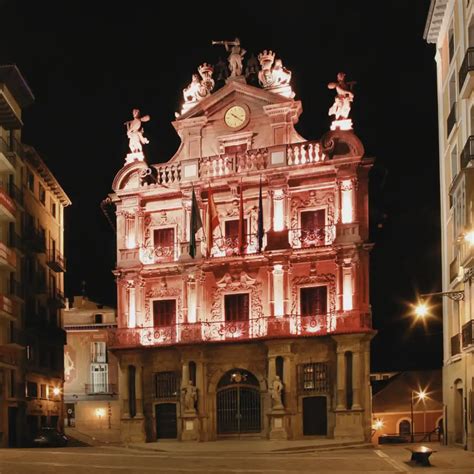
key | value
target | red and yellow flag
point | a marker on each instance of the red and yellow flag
(212, 220)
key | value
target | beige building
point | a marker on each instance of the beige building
(91, 404)
(450, 27)
(31, 276)
(258, 323)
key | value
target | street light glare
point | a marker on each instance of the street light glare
(421, 395)
(469, 237)
(421, 310)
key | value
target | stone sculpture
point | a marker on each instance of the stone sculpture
(135, 132)
(277, 389)
(344, 96)
(236, 54)
(189, 397)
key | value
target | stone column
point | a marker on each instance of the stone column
(341, 392)
(123, 384)
(185, 374)
(270, 291)
(271, 369)
(356, 380)
(140, 227)
(132, 316)
(120, 232)
(139, 390)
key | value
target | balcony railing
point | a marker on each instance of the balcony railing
(466, 66)
(16, 289)
(6, 306)
(451, 121)
(467, 334)
(101, 389)
(456, 344)
(16, 242)
(6, 152)
(230, 246)
(35, 239)
(7, 256)
(317, 237)
(16, 193)
(56, 261)
(17, 337)
(7, 206)
(57, 299)
(252, 329)
(467, 153)
(158, 254)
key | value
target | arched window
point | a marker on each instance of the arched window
(279, 367)
(404, 428)
(348, 363)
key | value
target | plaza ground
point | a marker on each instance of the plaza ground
(228, 457)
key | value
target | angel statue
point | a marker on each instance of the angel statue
(135, 132)
(344, 97)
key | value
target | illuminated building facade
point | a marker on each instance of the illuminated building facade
(233, 327)
(91, 404)
(450, 26)
(31, 276)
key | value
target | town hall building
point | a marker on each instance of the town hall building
(243, 267)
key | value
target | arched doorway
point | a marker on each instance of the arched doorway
(238, 403)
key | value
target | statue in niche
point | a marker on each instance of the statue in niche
(344, 97)
(235, 57)
(276, 391)
(189, 397)
(135, 132)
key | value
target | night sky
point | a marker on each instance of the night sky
(89, 63)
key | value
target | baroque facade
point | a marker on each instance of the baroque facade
(239, 326)
(450, 26)
(32, 276)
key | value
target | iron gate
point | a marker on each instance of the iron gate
(238, 404)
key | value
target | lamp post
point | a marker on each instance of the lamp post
(422, 310)
(421, 396)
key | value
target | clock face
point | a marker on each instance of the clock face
(236, 116)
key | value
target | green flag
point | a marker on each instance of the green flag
(195, 225)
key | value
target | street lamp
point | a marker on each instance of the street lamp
(469, 237)
(422, 308)
(421, 396)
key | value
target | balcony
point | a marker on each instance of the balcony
(311, 238)
(7, 258)
(101, 389)
(467, 334)
(7, 159)
(16, 194)
(56, 261)
(16, 290)
(456, 345)
(238, 331)
(157, 254)
(7, 206)
(16, 338)
(230, 246)
(57, 300)
(467, 153)
(6, 307)
(451, 121)
(35, 240)
(466, 72)
(16, 242)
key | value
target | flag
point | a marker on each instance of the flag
(241, 223)
(195, 225)
(212, 220)
(260, 230)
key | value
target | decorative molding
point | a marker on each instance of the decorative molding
(162, 291)
(328, 279)
(309, 200)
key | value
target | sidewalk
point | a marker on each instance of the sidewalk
(247, 446)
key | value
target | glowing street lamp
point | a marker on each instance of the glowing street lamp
(378, 424)
(421, 309)
(421, 397)
(469, 237)
(56, 391)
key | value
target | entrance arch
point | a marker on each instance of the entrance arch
(238, 403)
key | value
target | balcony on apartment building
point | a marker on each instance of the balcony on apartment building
(34, 239)
(57, 300)
(451, 120)
(7, 158)
(468, 334)
(16, 242)
(105, 388)
(16, 194)
(6, 307)
(269, 327)
(466, 74)
(467, 154)
(7, 258)
(16, 290)
(16, 338)
(56, 261)
(7, 205)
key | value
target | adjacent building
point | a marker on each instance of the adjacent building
(32, 275)
(258, 321)
(450, 27)
(409, 403)
(91, 404)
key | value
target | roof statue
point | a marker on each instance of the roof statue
(135, 136)
(200, 87)
(236, 54)
(342, 103)
(273, 76)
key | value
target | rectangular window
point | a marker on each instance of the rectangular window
(98, 352)
(53, 208)
(163, 238)
(313, 377)
(99, 378)
(454, 163)
(12, 383)
(237, 307)
(98, 318)
(164, 312)
(43, 391)
(32, 390)
(30, 181)
(232, 228)
(313, 220)
(167, 385)
(41, 194)
(313, 300)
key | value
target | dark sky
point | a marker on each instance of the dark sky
(89, 63)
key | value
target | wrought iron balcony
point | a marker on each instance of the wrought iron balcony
(230, 246)
(7, 206)
(308, 238)
(101, 389)
(456, 344)
(467, 334)
(467, 153)
(451, 121)
(7, 158)
(57, 299)
(16, 194)
(247, 330)
(467, 66)
(56, 261)
(158, 254)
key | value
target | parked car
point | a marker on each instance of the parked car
(51, 437)
(385, 439)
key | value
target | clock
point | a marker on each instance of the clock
(236, 116)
